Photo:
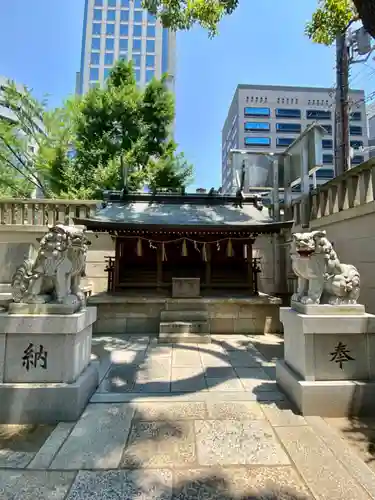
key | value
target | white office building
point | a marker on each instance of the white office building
(121, 29)
(266, 118)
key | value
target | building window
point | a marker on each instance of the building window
(95, 44)
(357, 160)
(150, 61)
(96, 29)
(124, 29)
(327, 144)
(98, 3)
(123, 57)
(257, 126)
(107, 72)
(124, 15)
(318, 114)
(137, 45)
(137, 73)
(257, 111)
(328, 129)
(123, 44)
(94, 74)
(355, 130)
(327, 159)
(258, 141)
(95, 58)
(112, 3)
(294, 128)
(108, 59)
(137, 60)
(150, 46)
(97, 14)
(137, 30)
(138, 16)
(110, 29)
(109, 43)
(282, 142)
(151, 31)
(151, 19)
(324, 173)
(94, 85)
(287, 113)
(150, 73)
(111, 15)
(356, 144)
(356, 116)
(125, 3)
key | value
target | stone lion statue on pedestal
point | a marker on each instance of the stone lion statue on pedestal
(55, 274)
(322, 278)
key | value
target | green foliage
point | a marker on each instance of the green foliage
(122, 128)
(112, 130)
(172, 171)
(329, 20)
(182, 14)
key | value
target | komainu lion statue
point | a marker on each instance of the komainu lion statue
(322, 279)
(55, 274)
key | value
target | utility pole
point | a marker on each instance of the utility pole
(342, 149)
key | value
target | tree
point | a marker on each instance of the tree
(331, 17)
(33, 144)
(124, 131)
(171, 172)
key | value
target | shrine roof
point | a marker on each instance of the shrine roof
(187, 212)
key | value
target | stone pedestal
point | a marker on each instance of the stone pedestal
(186, 287)
(329, 359)
(45, 370)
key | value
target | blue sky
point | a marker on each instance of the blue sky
(261, 43)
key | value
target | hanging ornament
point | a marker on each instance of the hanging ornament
(196, 246)
(163, 253)
(218, 246)
(184, 249)
(151, 245)
(229, 248)
(204, 252)
(245, 252)
(139, 247)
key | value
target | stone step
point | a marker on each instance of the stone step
(187, 327)
(184, 316)
(185, 305)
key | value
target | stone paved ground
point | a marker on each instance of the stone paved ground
(186, 422)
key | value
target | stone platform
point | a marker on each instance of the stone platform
(225, 440)
(45, 370)
(122, 314)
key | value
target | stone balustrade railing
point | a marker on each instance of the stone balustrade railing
(355, 187)
(43, 212)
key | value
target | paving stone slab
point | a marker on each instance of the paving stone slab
(38, 485)
(186, 357)
(222, 385)
(245, 442)
(345, 453)
(156, 386)
(160, 444)
(323, 473)
(169, 411)
(234, 410)
(47, 452)
(187, 379)
(97, 440)
(282, 414)
(261, 483)
(243, 359)
(122, 485)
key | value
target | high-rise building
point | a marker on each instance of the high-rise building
(121, 29)
(266, 118)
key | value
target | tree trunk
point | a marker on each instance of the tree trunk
(366, 12)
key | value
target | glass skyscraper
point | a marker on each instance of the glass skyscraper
(121, 29)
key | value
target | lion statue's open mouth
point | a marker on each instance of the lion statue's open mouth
(305, 253)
